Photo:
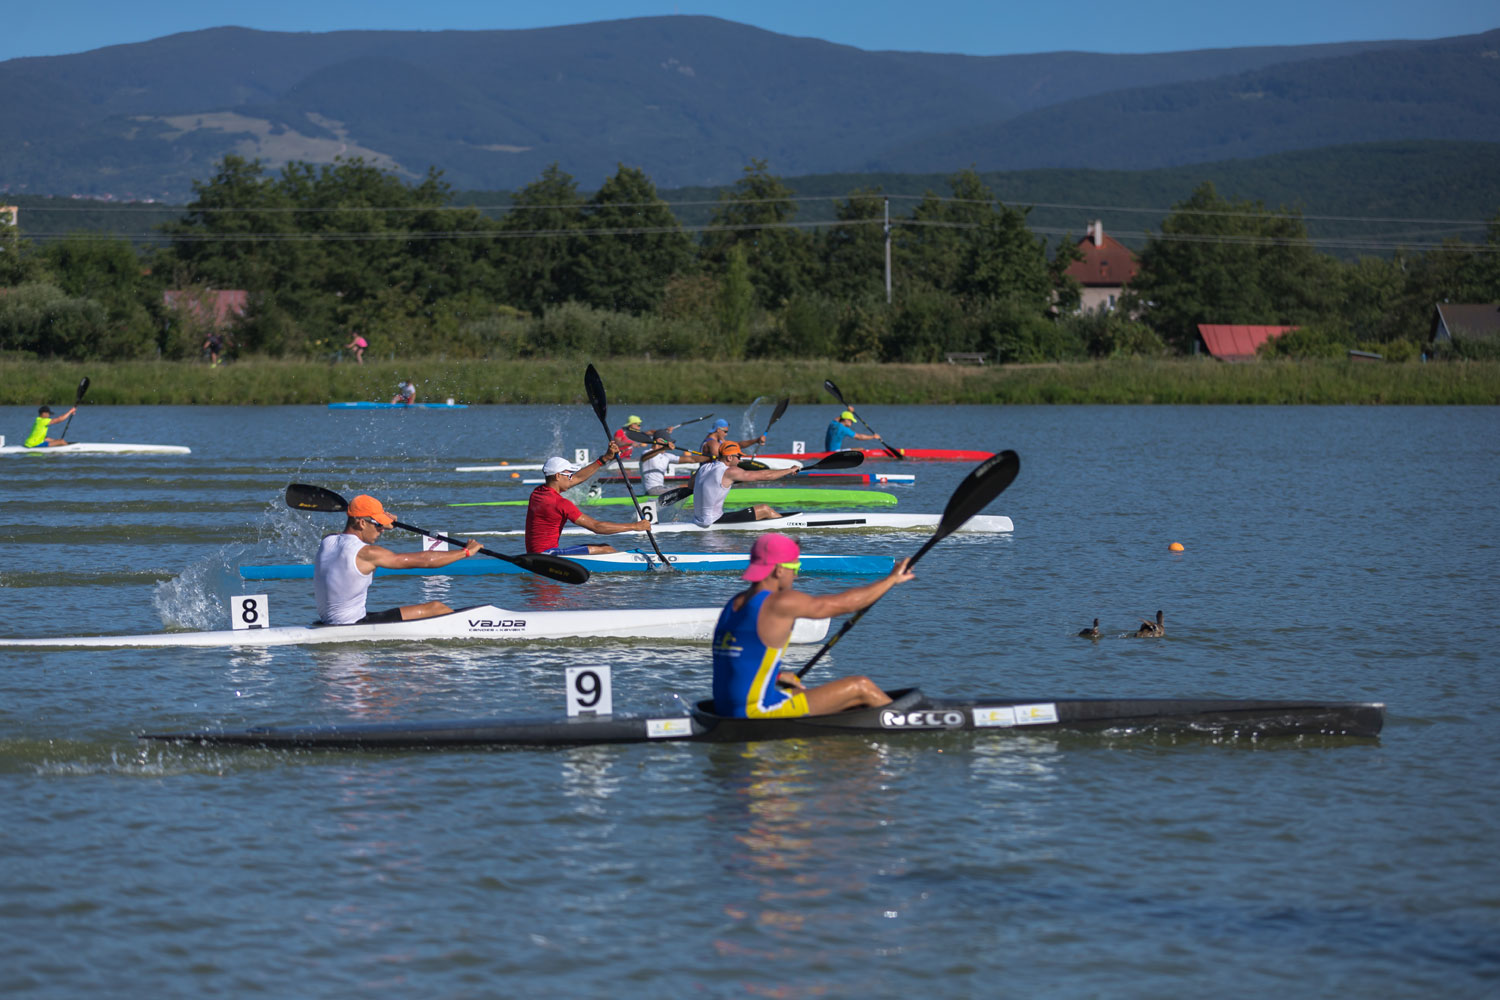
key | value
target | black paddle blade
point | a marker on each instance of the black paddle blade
(300, 496)
(672, 496)
(640, 437)
(594, 386)
(83, 387)
(838, 460)
(988, 480)
(552, 567)
(834, 391)
(752, 465)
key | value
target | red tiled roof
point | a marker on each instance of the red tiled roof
(228, 304)
(1237, 343)
(1108, 264)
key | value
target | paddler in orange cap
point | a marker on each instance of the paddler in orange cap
(755, 626)
(345, 566)
(712, 482)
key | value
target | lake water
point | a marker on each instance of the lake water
(1340, 553)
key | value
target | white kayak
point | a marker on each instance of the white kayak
(800, 521)
(483, 622)
(98, 448)
(632, 464)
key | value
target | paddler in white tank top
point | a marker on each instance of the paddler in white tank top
(712, 481)
(345, 566)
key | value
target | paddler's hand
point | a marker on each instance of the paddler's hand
(611, 451)
(761, 439)
(789, 679)
(644, 524)
(471, 547)
(902, 572)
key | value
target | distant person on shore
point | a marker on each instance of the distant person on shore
(548, 510)
(38, 437)
(214, 345)
(841, 431)
(719, 434)
(357, 344)
(345, 565)
(406, 393)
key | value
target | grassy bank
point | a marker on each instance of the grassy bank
(633, 381)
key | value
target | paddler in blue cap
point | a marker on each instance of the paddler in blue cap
(717, 436)
(756, 625)
(841, 431)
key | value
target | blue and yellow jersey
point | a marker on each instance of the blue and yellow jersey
(745, 669)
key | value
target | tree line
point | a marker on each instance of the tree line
(327, 251)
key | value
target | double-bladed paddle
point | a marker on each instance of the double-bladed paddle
(594, 386)
(838, 460)
(978, 488)
(83, 387)
(660, 431)
(300, 496)
(828, 384)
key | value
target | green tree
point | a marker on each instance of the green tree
(1221, 261)
(534, 247)
(757, 215)
(736, 302)
(633, 247)
(852, 252)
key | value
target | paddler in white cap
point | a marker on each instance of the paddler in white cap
(548, 510)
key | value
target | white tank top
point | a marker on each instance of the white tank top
(654, 470)
(339, 585)
(709, 492)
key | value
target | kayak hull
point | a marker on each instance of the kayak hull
(483, 622)
(99, 448)
(613, 562)
(910, 454)
(910, 713)
(799, 521)
(844, 498)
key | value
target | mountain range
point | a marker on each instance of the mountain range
(691, 100)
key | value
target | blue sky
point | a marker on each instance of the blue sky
(978, 27)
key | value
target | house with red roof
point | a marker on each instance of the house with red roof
(1235, 342)
(1106, 267)
(218, 308)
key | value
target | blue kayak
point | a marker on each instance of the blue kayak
(614, 562)
(398, 406)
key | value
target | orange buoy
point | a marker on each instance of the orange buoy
(1175, 547)
(515, 475)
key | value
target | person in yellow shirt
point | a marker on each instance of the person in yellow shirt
(38, 437)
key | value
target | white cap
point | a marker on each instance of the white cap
(557, 464)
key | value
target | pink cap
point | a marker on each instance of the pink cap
(769, 551)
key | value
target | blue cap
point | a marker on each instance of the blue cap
(721, 422)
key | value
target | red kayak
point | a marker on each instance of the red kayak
(911, 454)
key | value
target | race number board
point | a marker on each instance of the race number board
(250, 611)
(589, 691)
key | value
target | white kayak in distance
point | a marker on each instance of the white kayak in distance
(482, 622)
(800, 521)
(611, 562)
(98, 448)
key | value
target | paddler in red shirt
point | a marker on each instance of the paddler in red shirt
(549, 510)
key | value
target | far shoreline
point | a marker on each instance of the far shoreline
(636, 381)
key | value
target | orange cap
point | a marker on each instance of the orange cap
(729, 448)
(365, 505)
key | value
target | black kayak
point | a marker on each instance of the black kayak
(910, 712)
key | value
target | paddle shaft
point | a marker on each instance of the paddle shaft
(982, 485)
(775, 416)
(83, 387)
(593, 385)
(828, 384)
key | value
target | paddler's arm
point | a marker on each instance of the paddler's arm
(783, 608)
(752, 442)
(65, 416)
(756, 475)
(599, 527)
(372, 556)
(583, 474)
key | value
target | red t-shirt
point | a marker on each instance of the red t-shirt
(546, 514)
(624, 442)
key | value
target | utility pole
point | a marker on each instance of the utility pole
(888, 251)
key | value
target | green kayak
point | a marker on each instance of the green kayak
(767, 494)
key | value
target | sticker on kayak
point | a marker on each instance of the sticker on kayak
(662, 729)
(1015, 715)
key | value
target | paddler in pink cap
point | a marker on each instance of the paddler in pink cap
(756, 625)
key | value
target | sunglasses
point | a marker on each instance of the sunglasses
(795, 567)
(376, 524)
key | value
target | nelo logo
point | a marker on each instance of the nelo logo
(922, 720)
(502, 623)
